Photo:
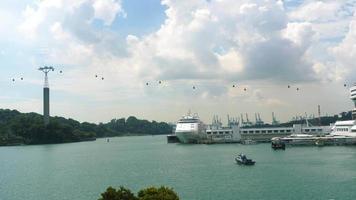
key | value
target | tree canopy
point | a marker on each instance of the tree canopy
(29, 128)
(162, 193)
(119, 194)
(151, 193)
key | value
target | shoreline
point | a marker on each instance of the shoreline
(82, 140)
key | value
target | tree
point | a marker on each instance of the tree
(151, 193)
(120, 194)
(162, 193)
(28, 128)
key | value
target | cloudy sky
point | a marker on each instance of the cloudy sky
(260, 45)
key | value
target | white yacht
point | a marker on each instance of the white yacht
(347, 128)
(190, 129)
(295, 139)
(344, 128)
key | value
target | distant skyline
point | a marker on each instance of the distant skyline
(260, 45)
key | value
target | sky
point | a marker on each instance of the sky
(260, 46)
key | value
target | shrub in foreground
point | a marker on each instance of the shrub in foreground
(120, 194)
(162, 193)
(151, 193)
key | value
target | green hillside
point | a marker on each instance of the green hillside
(28, 128)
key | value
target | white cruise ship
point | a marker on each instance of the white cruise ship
(190, 129)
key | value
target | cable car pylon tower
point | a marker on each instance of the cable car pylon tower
(46, 70)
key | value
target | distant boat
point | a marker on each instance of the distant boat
(241, 159)
(319, 142)
(278, 144)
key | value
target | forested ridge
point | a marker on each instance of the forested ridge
(28, 128)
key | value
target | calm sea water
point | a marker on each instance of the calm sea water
(81, 171)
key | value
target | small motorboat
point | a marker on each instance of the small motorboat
(319, 142)
(241, 159)
(276, 146)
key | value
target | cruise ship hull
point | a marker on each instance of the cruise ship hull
(188, 137)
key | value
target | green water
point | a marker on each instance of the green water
(81, 171)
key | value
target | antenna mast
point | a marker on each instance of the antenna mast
(46, 70)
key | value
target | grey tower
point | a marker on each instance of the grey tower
(45, 70)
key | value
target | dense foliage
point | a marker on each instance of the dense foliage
(120, 194)
(137, 126)
(29, 128)
(151, 193)
(162, 193)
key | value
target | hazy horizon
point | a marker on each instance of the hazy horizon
(262, 46)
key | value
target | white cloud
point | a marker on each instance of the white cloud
(300, 33)
(231, 61)
(329, 19)
(74, 14)
(329, 25)
(317, 11)
(209, 44)
(345, 53)
(199, 40)
(7, 20)
(208, 40)
(35, 16)
(58, 32)
(107, 10)
(211, 40)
